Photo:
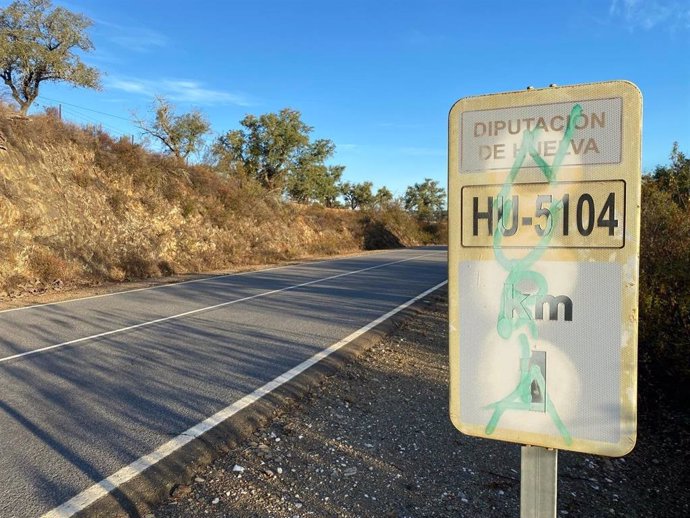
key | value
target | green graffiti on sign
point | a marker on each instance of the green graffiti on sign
(516, 306)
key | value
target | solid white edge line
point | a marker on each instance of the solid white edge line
(199, 310)
(200, 280)
(104, 487)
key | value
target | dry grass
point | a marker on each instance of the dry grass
(78, 207)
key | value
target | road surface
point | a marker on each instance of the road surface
(92, 385)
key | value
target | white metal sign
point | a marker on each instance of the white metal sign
(544, 190)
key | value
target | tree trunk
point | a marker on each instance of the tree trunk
(24, 107)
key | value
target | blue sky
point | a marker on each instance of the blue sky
(378, 77)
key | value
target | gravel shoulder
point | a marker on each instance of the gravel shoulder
(375, 440)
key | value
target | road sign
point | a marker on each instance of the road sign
(544, 197)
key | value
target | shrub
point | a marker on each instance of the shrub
(47, 267)
(80, 206)
(664, 288)
(136, 266)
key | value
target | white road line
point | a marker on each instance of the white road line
(104, 487)
(205, 279)
(199, 310)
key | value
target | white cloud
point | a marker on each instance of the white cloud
(106, 57)
(131, 86)
(133, 38)
(181, 90)
(647, 14)
(193, 91)
(140, 40)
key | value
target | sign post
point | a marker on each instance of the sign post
(538, 482)
(544, 210)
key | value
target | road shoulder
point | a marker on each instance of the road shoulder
(375, 439)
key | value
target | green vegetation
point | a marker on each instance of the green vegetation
(675, 178)
(276, 151)
(665, 275)
(181, 135)
(383, 198)
(36, 45)
(358, 195)
(79, 207)
(426, 199)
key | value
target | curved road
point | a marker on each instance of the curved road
(90, 386)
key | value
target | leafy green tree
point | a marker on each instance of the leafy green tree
(310, 174)
(271, 147)
(426, 199)
(37, 44)
(358, 195)
(675, 178)
(181, 135)
(383, 197)
(316, 183)
(329, 189)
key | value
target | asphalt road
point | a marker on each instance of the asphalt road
(91, 385)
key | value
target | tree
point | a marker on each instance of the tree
(310, 174)
(426, 199)
(358, 195)
(383, 197)
(180, 134)
(37, 44)
(315, 184)
(268, 146)
(675, 178)
(276, 150)
(329, 191)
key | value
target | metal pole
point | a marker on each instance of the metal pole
(538, 482)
